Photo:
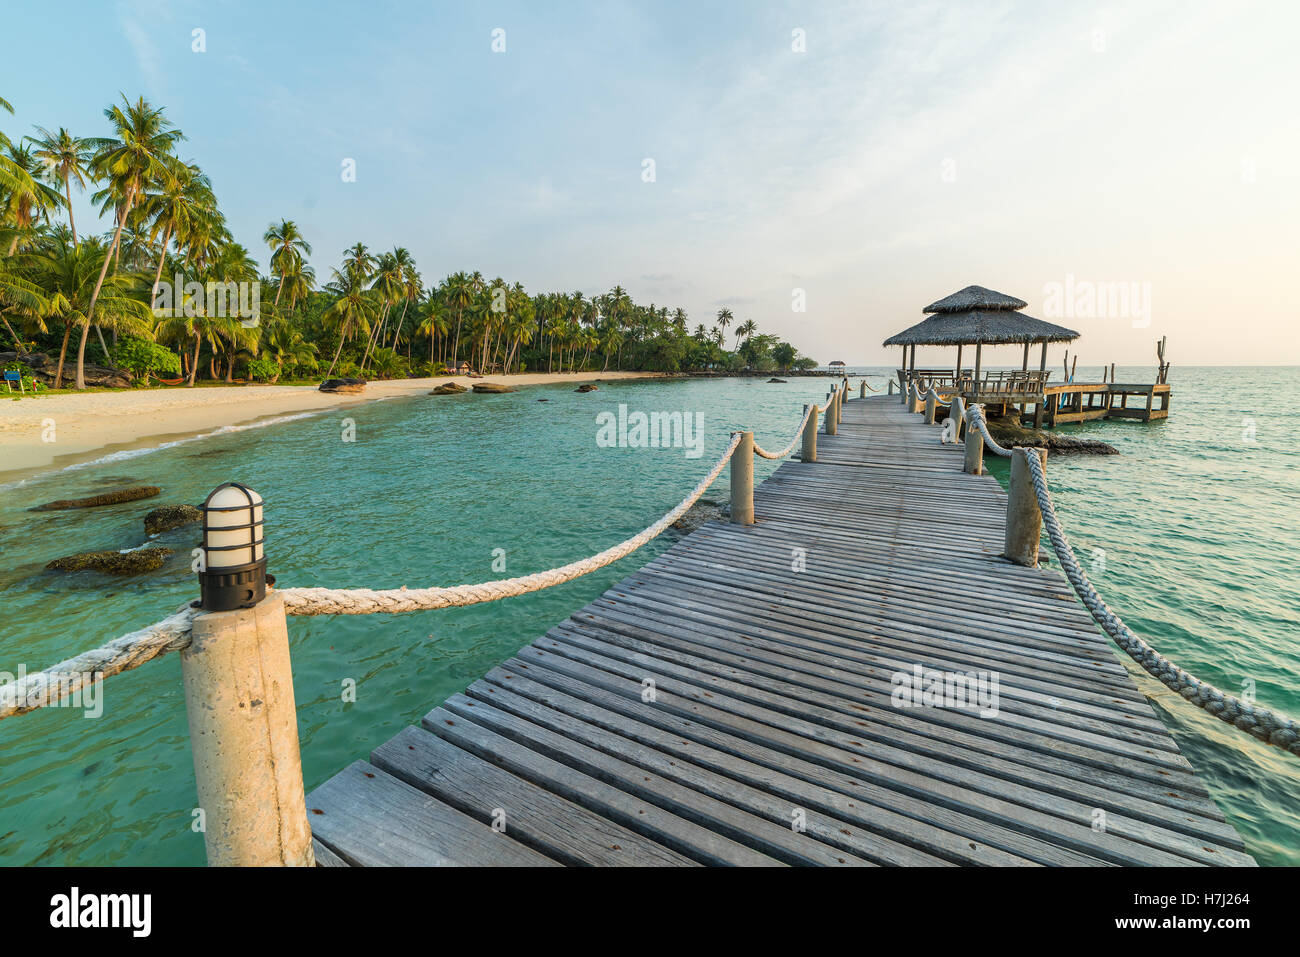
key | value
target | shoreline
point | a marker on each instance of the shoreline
(92, 425)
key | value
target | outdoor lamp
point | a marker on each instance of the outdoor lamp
(234, 568)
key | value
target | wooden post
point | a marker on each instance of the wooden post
(832, 422)
(1024, 520)
(1024, 364)
(931, 406)
(244, 736)
(742, 481)
(957, 380)
(891, 385)
(974, 461)
(862, 389)
(957, 415)
(979, 346)
(810, 436)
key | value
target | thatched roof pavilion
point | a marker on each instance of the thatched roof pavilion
(978, 316)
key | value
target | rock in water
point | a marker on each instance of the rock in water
(1008, 432)
(449, 388)
(166, 517)
(705, 510)
(107, 498)
(343, 385)
(493, 387)
(782, 381)
(585, 387)
(115, 563)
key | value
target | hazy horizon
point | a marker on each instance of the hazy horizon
(876, 159)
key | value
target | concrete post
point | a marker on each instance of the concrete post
(974, 461)
(742, 481)
(244, 735)
(931, 407)
(1024, 520)
(809, 436)
(832, 419)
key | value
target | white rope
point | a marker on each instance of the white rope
(975, 420)
(368, 601)
(122, 654)
(1266, 725)
(798, 434)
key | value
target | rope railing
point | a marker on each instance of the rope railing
(1269, 726)
(174, 633)
(798, 433)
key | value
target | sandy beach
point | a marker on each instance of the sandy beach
(47, 432)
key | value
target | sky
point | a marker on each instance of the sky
(860, 160)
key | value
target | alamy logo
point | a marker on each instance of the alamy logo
(1086, 299)
(72, 910)
(238, 300)
(656, 430)
(921, 688)
(64, 689)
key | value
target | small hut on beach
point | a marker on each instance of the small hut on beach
(977, 316)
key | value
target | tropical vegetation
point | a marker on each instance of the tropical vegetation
(153, 295)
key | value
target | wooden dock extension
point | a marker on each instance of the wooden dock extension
(733, 702)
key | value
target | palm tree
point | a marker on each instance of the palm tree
(287, 247)
(68, 160)
(130, 160)
(458, 294)
(724, 320)
(412, 286)
(183, 206)
(24, 205)
(745, 330)
(352, 309)
(68, 273)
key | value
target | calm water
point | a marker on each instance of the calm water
(1196, 524)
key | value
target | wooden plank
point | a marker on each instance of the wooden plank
(371, 819)
(551, 825)
(771, 698)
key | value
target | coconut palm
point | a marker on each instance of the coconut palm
(69, 276)
(745, 330)
(25, 205)
(353, 308)
(287, 247)
(724, 319)
(130, 160)
(67, 161)
(183, 206)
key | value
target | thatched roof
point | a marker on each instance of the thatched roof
(975, 297)
(990, 326)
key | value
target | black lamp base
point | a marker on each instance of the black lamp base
(228, 589)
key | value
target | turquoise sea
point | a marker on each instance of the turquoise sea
(1196, 520)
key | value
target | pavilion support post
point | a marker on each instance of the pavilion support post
(979, 348)
(912, 364)
(1042, 363)
(1024, 363)
(1024, 520)
(809, 453)
(957, 381)
(974, 461)
(742, 481)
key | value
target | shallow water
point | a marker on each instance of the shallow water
(1193, 521)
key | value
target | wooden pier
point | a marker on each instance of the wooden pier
(730, 703)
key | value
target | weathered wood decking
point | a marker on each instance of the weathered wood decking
(772, 703)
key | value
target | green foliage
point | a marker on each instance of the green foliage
(263, 370)
(29, 383)
(143, 358)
